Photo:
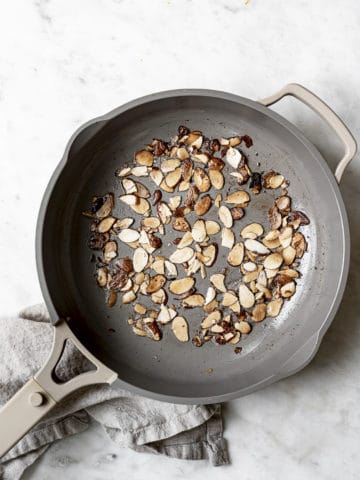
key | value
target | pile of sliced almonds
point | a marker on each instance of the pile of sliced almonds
(207, 214)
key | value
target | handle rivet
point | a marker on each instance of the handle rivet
(36, 399)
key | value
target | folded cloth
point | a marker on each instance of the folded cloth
(182, 431)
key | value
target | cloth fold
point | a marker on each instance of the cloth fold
(190, 432)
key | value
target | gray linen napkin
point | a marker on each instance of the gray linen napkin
(182, 431)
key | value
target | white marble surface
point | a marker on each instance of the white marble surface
(64, 62)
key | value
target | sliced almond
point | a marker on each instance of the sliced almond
(211, 319)
(217, 179)
(198, 231)
(164, 212)
(174, 202)
(240, 197)
(129, 186)
(128, 235)
(194, 266)
(217, 328)
(171, 269)
(272, 180)
(233, 157)
(123, 223)
(180, 328)
(243, 327)
(183, 186)
(218, 280)
(180, 224)
(156, 176)
(289, 254)
(201, 180)
(139, 308)
(225, 216)
(194, 139)
(224, 141)
(210, 295)
(124, 172)
(139, 331)
(274, 307)
(284, 204)
(262, 278)
(250, 277)
(173, 178)
(165, 187)
(289, 272)
(201, 158)
(142, 207)
(152, 327)
(186, 240)
(203, 205)
(182, 153)
(212, 227)
(141, 190)
(128, 285)
(229, 298)
(170, 165)
(233, 141)
(140, 171)
(256, 246)
(299, 243)
(227, 238)
(259, 312)
(110, 251)
(187, 170)
(128, 297)
(285, 236)
(235, 307)
(275, 218)
(210, 252)
(215, 164)
(144, 157)
(164, 315)
(155, 283)
(181, 285)
(211, 306)
(218, 200)
(253, 231)
(271, 239)
(236, 255)
(246, 297)
(288, 289)
(181, 255)
(196, 300)
(273, 261)
(249, 266)
(235, 339)
(150, 223)
(237, 212)
(130, 200)
(159, 266)
(105, 224)
(159, 297)
(102, 276)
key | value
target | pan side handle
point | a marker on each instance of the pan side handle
(330, 117)
(40, 394)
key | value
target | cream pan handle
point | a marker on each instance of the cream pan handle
(322, 109)
(40, 394)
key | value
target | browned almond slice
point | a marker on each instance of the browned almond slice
(289, 272)
(283, 204)
(140, 171)
(210, 252)
(194, 266)
(159, 297)
(105, 224)
(272, 180)
(180, 328)
(243, 327)
(156, 176)
(164, 212)
(235, 339)
(210, 295)
(285, 236)
(141, 207)
(174, 202)
(171, 269)
(128, 297)
(273, 261)
(250, 276)
(182, 153)
(259, 312)
(196, 300)
(110, 251)
(203, 205)
(249, 266)
(218, 200)
(201, 158)
(229, 298)
(139, 308)
(181, 255)
(212, 227)
(299, 243)
(159, 265)
(240, 197)
(288, 289)
(181, 285)
(217, 179)
(130, 200)
(164, 186)
(180, 224)
(253, 230)
(236, 255)
(155, 283)
(233, 157)
(140, 259)
(203, 272)
(275, 218)
(139, 331)
(210, 307)
(246, 297)
(233, 141)
(186, 240)
(218, 280)
(217, 328)
(164, 315)
(216, 164)
(201, 180)
(187, 170)
(183, 186)
(224, 141)
(255, 246)
(262, 278)
(141, 190)
(129, 235)
(211, 319)
(124, 172)
(129, 186)
(194, 139)
(139, 278)
(173, 178)
(150, 223)
(102, 276)
(274, 307)
(271, 239)
(237, 212)
(225, 216)
(123, 223)
(289, 255)
(128, 285)
(112, 298)
(170, 165)
(198, 231)
(144, 157)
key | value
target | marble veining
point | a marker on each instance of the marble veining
(62, 63)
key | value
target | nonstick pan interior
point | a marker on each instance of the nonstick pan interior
(168, 369)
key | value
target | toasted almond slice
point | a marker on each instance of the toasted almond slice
(224, 141)
(124, 172)
(174, 202)
(129, 199)
(186, 240)
(210, 307)
(299, 243)
(198, 231)
(210, 295)
(264, 290)
(196, 300)
(275, 218)
(249, 266)
(164, 315)
(152, 327)
(140, 259)
(128, 297)
(274, 307)
(218, 280)
(203, 272)
(194, 266)
(256, 246)
(253, 231)
(110, 251)
(262, 278)
(273, 261)
(235, 339)
(129, 185)
(285, 236)
(123, 223)
(216, 164)
(201, 158)
(203, 205)
(170, 165)
(225, 216)
(233, 141)
(139, 278)
(228, 336)
(289, 255)
(246, 297)
(236, 255)
(218, 200)
(201, 180)
(250, 276)
(141, 190)
(156, 176)
(211, 319)
(217, 328)
(240, 197)
(159, 297)
(105, 224)
(272, 180)
(128, 285)
(159, 266)
(180, 224)
(173, 178)
(284, 203)
(217, 179)
(227, 238)
(150, 223)
(182, 153)
(139, 308)
(181, 285)
(164, 212)
(171, 269)
(289, 272)
(187, 170)
(182, 255)
(139, 331)
(183, 186)
(102, 276)
(233, 157)
(129, 235)
(243, 327)
(144, 157)
(165, 187)
(141, 207)
(140, 171)
(229, 298)
(155, 283)
(180, 328)
(212, 227)
(271, 239)
(259, 312)
(288, 289)
(210, 252)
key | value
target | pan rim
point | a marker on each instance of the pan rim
(333, 306)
